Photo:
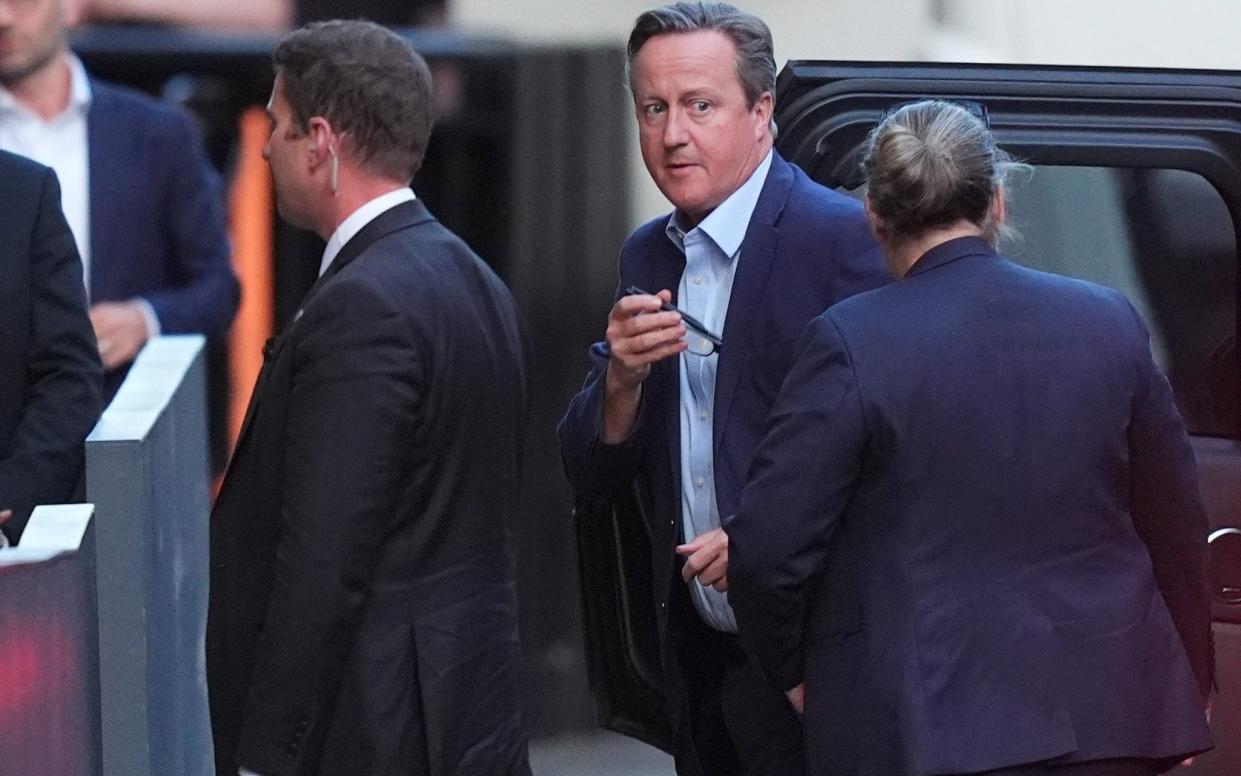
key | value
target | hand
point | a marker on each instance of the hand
(706, 557)
(1189, 760)
(4, 518)
(121, 329)
(797, 698)
(639, 334)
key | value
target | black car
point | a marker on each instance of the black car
(1134, 182)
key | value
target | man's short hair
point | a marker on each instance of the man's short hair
(368, 83)
(756, 62)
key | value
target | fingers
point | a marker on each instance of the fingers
(694, 545)
(120, 330)
(797, 698)
(706, 557)
(639, 333)
(714, 572)
(5, 515)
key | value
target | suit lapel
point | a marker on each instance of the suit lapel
(402, 216)
(104, 134)
(741, 323)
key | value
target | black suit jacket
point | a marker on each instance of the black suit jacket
(363, 611)
(806, 247)
(50, 375)
(974, 530)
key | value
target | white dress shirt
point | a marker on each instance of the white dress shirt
(712, 250)
(358, 219)
(59, 143)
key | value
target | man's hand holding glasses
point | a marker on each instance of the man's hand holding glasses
(644, 328)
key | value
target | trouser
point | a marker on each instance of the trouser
(740, 723)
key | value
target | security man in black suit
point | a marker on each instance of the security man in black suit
(50, 374)
(363, 612)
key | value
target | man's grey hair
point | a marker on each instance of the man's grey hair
(756, 62)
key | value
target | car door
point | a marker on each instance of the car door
(1134, 182)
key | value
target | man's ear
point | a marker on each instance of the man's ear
(763, 108)
(322, 138)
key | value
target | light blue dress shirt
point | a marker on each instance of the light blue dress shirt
(712, 250)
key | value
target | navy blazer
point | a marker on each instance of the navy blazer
(806, 247)
(363, 615)
(157, 223)
(49, 365)
(974, 530)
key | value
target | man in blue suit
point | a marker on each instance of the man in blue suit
(752, 252)
(972, 541)
(139, 194)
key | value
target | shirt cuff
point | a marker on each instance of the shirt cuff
(244, 772)
(148, 314)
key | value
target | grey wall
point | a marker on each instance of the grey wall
(147, 473)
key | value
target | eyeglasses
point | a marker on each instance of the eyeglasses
(975, 109)
(705, 344)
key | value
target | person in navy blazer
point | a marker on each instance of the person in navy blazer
(706, 138)
(363, 615)
(140, 194)
(972, 539)
(49, 369)
(156, 218)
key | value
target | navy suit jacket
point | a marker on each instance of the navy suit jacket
(49, 364)
(806, 248)
(363, 614)
(156, 214)
(974, 530)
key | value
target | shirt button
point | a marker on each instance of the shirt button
(702, 415)
(698, 280)
(700, 482)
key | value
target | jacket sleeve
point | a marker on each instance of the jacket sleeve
(595, 469)
(803, 475)
(44, 460)
(353, 407)
(1168, 514)
(204, 293)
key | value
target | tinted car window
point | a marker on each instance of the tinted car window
(1165, 239)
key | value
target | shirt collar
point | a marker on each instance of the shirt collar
(79, 91)
(727, 224)
(360, 218)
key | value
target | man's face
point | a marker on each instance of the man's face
(32, 34)
(700, 141)
(287, 153)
